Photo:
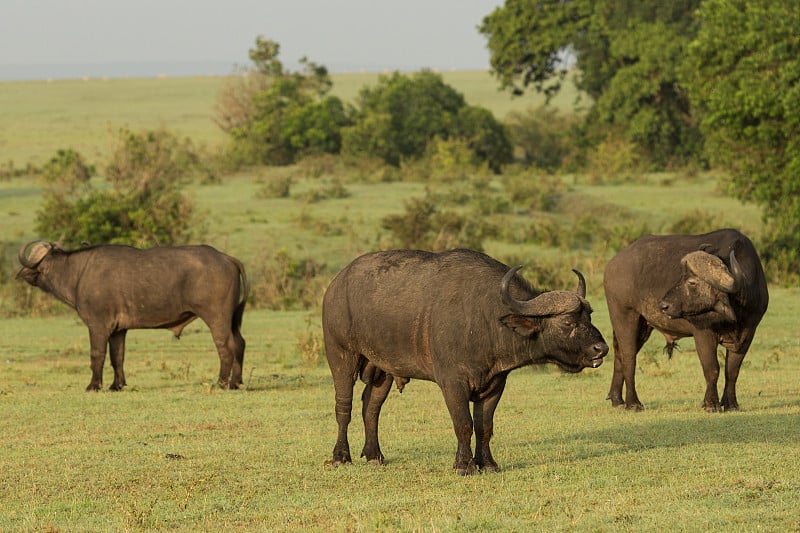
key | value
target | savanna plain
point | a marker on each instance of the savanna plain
(174, 452)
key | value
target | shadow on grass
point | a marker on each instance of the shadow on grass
(716, 429)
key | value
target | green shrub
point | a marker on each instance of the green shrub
(543, 136)
(614, 160)
(144, 205)
(538, 192)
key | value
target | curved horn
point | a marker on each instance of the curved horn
(581, 284)
(509, 300)
(547, 303)
(737, 273)
(710, 269)
(23, 254)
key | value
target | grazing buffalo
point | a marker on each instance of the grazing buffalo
(458, 318)
(710, 287)
(117, 288)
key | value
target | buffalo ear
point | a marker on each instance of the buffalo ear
(522, 325)
(723, 307)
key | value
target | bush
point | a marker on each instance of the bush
(144, 205)
(399, 117)
(614, 160)
(543, 136)
(281, 282)
(424, 226)
(537, 192)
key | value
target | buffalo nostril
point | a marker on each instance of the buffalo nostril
(664, 306)
(601, 348)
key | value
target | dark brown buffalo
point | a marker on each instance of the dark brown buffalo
(458, 318)
(710, 287)
(117, 288)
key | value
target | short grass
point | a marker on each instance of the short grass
(173, 452)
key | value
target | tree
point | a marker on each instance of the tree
(627, 54)
(274, 115)
(401, 115)
(143, 205)
(743, 74)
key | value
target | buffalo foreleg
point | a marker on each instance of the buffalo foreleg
(483, 417)
(733, 362)
(374, 395)
(706, 345)
(116, 345)
(99, 343)
(456, 396)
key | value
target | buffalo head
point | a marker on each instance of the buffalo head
(32, 259)
(704, 288)
(561, 321)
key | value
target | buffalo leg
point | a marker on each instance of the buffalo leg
(344, 368)
(374, 395)
(706, 345)
(733, 362)
(630, 334)
(483, 416)
(99, 343)
(457, 399)
(238, 361)
(227, 348)
(116, 345)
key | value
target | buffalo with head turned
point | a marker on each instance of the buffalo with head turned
(711, 287)
(458, 318)
(116, 288)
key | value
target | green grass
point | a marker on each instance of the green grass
(172, 452)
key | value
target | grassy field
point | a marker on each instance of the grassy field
(172, 452)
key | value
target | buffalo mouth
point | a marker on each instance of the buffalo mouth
(574, 368)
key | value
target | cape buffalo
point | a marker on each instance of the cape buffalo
(116, 288)
(458, 318)
(710, 287)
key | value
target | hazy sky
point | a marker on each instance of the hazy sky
(340, 34)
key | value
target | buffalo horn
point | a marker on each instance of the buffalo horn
(23, 254)
(581, 284)
(737, 273)
(710, 269)
(546, 304)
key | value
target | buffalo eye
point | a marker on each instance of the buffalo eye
(691, 282)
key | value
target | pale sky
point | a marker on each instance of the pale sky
(69, 37)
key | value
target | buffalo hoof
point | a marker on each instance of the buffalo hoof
(635, 407)
(336, 462)
(94, 387)
(492, 469)
(468, 470)
(711, 408)
(730, 408)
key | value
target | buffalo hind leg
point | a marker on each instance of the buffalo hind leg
(228, 346)
(116, 345)
(344, 368)
(456, 396)
(375, 393)
(733, 362)
(630, 334)
(483, 417)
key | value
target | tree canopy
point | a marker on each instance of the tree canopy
(743, 76)
(627, 53)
